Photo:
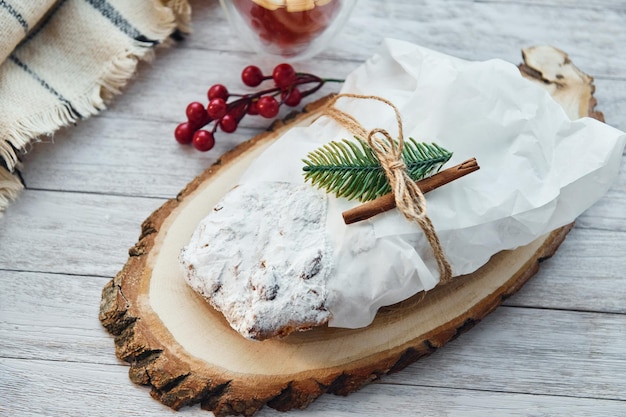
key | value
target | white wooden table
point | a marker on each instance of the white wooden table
(556, 348)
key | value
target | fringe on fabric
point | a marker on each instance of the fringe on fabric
(172, 15)
(10, 187)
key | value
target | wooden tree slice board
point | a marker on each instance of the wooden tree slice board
(186, 351)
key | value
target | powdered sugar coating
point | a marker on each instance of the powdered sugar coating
(262, 258)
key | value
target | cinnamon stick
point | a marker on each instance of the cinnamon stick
(388, 202)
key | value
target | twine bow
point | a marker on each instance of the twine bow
(408, 196)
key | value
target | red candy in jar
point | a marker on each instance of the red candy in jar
(288, 26)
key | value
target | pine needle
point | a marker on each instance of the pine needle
(351, 169)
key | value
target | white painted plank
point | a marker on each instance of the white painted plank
(611, 95)
(85, 234)
(583, 275)
(596, 4)
(535, 352)
(562, 353)
(183, 73)
(79, 218)
(141, 158)
(89, 234)
(44, 388)
(53, 317)
(59, 389)
(492, 30)
(592, 32)
(128, 157)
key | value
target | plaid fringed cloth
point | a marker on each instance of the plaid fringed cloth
(62, 60)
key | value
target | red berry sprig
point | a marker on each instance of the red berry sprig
(289, 89)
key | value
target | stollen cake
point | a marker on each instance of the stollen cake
(262, 257)
(274, 256)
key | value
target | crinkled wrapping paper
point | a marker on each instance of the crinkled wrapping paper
(539, 171)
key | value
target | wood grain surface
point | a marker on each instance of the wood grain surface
(558, 347)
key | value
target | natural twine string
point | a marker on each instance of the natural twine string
(409, 198)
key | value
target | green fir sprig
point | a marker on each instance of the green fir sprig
(351, 169)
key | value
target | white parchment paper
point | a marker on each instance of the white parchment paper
(539, 171)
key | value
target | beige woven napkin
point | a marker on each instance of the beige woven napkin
(62, 60)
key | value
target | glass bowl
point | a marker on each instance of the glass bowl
(294, 29)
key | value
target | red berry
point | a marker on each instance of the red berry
(196, 113)
(184, 133)
(291, 97)
(268, 107)
(217, 108)
(253, 108)
(218, 91)
(284, 75)
(228, 123)
(203, 140)
(252, 76)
